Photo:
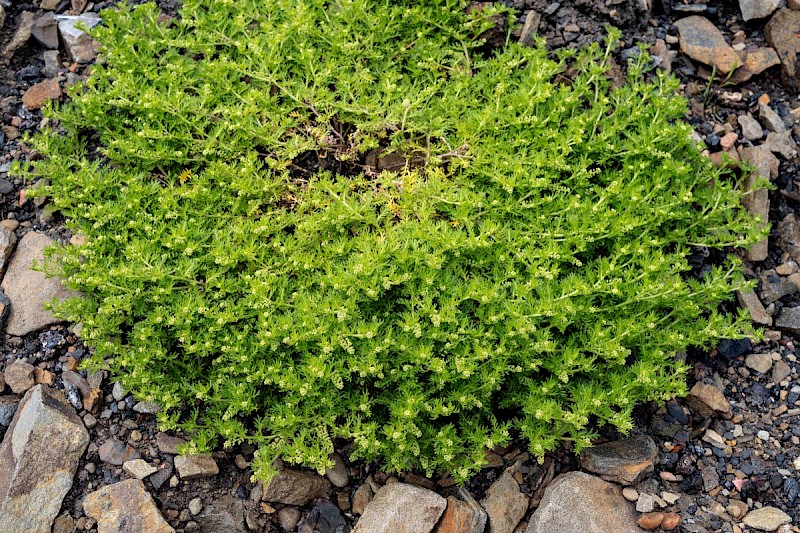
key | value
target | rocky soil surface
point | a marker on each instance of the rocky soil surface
(79, 453)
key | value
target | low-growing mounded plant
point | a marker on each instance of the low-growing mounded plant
(310, 220)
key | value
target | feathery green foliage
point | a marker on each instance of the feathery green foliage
(310, 220)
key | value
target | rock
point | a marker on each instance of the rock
(782, 144)
(149, 408)
(5, 309)
(645, 503)
(623, 461)
(703, 42)
(168, 443)
(125, 507)
(138, 468)
(45, 30)
(8, 406)
(50, 5)
(2, 16)
(577, 502)
(766, 519)
(196, 466)
(119, 393)
(630, 494)
(401, 508)
(361, 498)
(780, 371)
(707, 401)
(223, 514)
(115, 452)
(530, 28)
(771, 119)
(751, 129)
(38, 459)
(463, 515)
(750, 301)
(19, 376)
(338, 474)
(195, 506)
(52, 63)
(714, 439)
(28, 290)
(774, 290)
(760, 362)
(21, 35)
(737, 509)
(8, 240)
(755, 62)
(756, 201)
(78, 43)
(780, 32)
(288, 517)
(324, 517)
(293, 487)
(758, 9)
(64, 524)
(505, 505)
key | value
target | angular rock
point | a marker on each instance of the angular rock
(755, 62)
(750, 301)
(168, 443)
(756, 201)
(293, 487)
(149, 408)
(789, 235)
(505, 505)
(577, 502)
(703, 42)
(780, 371)
(324, 517)
(45, 30)
(771, 119)
(28, 290)
(789, 320)
(78, 43)
(38, 459)
(751, 129)
(115, 452)
(8, 240)
(361, 498)
(623, 461)
(8, 406)
(758, 9)
(196, 466)
(781, 32)
(125, 507)
(19, 376)
(766, 519)
(401, 508)
(223, 514)
(138, 468)
(760, 362)
(707, 400)
(2, 16)
(782, 143)
(21, 35)
(463, 515)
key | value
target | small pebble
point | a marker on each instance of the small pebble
(630, 494)
(195, 506)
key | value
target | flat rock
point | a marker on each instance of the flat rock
(138, 468)
(78, 43)
(760, 362)
(750, 301)
(29, 290)
(294, 487)
(766, 519)
(463, 515)
(703, 42)
(789, 235)
(168, 443)
(19, 376)
(758, 9)
(324, 517)
(780, 371)
(577, 502)
(41, 93)
(226, 513)
(505, 505)
(781, 34)
(789, 319)
(623, 461)
(8, 240)
(782, 143)
(196, 466)
(115, 452)
(38, 459)
(45, 30)
(125, 507)
(756, 201)
(21, 35)
(751, 129)
(401, 508)
(755, 62)
(707, 401)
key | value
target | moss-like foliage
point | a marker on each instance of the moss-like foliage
(309, 220)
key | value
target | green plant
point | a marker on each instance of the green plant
(309, 220)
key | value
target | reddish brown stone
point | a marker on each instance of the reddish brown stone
(670, 522)
(462, 517)
(41, 93)
(650, 520)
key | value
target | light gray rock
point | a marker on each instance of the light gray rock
(78, 43)
(758, 9)
(789, 320)
(28, 290)
(195, 506)
(645, 503)
(750, 301)
(623, 461)
(401, 508)
(505, 504)
(294, 487)
(38, 459)
(756, 201)
(8, 240)
(577, 502)
(196, 466)
(771, 119)
(138, 468)
(751, 129)
(782, 144)
(19, 376)
(766, 519)
(125, 507)
(760, 362)
(707, 400)
(149, 408)
(119, 392)
(780, 371)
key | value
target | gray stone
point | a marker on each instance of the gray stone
(21, 35)
(703, 42)
(8, 406)
(645, 503)
(751, 129)
(196, 466)
(760, 362)
(338, 474)
(750, 301)
(168, 443)
(463, 515)
(125, 507)
(756, 201)
(707, 400)
(780, 371)
(766, 519)
(361, 498)
(138, 468)
(288, 517)
(771, 119)
(782, 144)
(195, 506)
(505, 505)
(789, 235)
(8, 240)
(781, 32)
(78, 43)
(223, 514)
(29, 290)
(52, 63)
(293, 487)
(38, 459)
(19, 376)
(115, 452)
(789, 319)
(577, 502)
(623, 461)
(119, 393)
(324, 517)
(149, 408)
(401, 508)
(758, 9)
(45, 30)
